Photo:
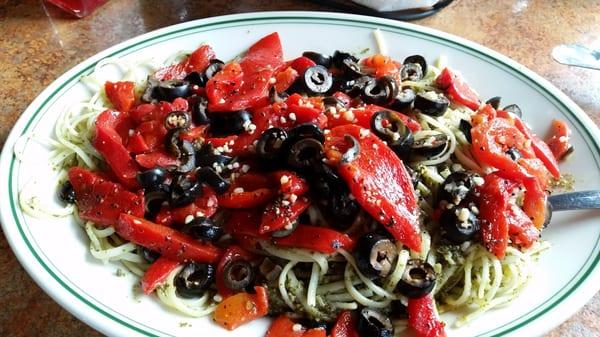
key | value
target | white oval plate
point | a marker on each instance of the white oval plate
(55, 252)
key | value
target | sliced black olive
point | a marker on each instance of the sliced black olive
(67, 193)
(172, 142)
(177, 119)
(199, 111)
(514, 109)
(184, 191)
(305, 153)
(277, 97)
(459, 224)
(411, 72)
(238, 275)
(171, 89)
(332, 101)
(465, 127)
(417, 280)
(373, 323)
(214, 67)
(148, 95)
(313, 324)
(270, 143)
(430, 145)
(196, 78)
(187, 157)
(203, 228)
(211, 159)
(418, 59)
(431, 104)
(356, 87)
(289, 229)
(208, 176)
(305, 130)
(318, 58)
(352, 152)
(153, 202)
(388, 126)
(194, 279)
(317, 80)
(149, 179)
(375, 255)
(338, 58)
(403, 100)
(514, 154)
(494, 102)
(148, 254)
(382, 91)
(351, 69)
(343, 208)
(457, 187)
(231, 123)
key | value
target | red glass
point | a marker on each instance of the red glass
(79, 8)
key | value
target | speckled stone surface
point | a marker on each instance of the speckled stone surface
(39, 43)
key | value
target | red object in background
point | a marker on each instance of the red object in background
(79, 8)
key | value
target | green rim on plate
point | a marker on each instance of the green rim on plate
(321, 18)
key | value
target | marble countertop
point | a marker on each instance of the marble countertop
(38, 43)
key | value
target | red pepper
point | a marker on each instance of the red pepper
(306, 110)
(319, 239)
(256, 190)
(379, 181)
(166, 241)
(102, 201)
(232, 253)
(362, 115)
(457, 89)
(301, 64)
(157, 273)
(136, 144)
(345, 325)
(120, 94)
(108, 140)
(158, 158)
(242, 308)
(204, 205)
(281, 213)
(197, 61)
(283, 326)
(423, 319)
(559, 139)
(284, 79)
(153, 132)
(290, 182)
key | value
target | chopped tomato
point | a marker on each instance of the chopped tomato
(197, 61)
(457, 89)
(109, 142)
(381, 65)
(120, 94)
(242, 308)
(102, 201)
(256, 69)
(379, 181)
(157, 273)
(346, 325)
(423, 319)
(281, 213)
(232, 253)
(559, 139)
(283, 326)
(164, 240)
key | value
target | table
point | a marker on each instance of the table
(38, 43)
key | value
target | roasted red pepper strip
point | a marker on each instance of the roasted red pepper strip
(282, 212)
(157, 273)
(283, 326)
(422, 317)
(345, 326)
(362, 115)
(559, 139)
(319, 239)
(457, 89)
(290, 182)
(197, 61)
(109, 142)
(302, 63)
(166, 241)
(120, 94)
(204, 205)
(242, 308)
(492, 203)
(158, 158)
(102, 201)
(232, 253)
(248, 191)
(379, 181)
